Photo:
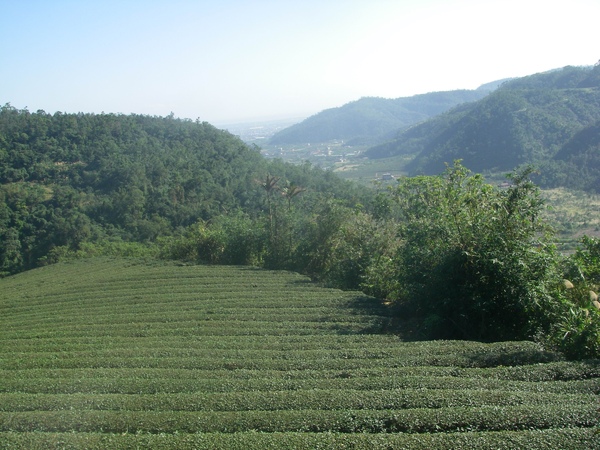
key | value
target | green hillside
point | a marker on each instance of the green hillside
(71, 179)
(124, 354)
(370, 119)
(540, 120)
(82, 185)
(577, 164)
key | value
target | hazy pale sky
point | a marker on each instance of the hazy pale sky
(224, 61)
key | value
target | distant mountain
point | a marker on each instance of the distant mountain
(371, 119)
(493, 85)
(542, 118)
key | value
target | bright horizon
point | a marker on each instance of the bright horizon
(234, 61)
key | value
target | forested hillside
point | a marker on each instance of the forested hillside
(459, 257)
(66, 179)
(371, 120)
(546, 119)
(577, 163)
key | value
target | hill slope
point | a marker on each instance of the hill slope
(66, 179)
(118, 353)
(372, 119)
(527, 120)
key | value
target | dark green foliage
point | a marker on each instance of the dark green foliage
(319, 231)
(491, 418)
(68, 179)
(566, 78)
(474, 261)
(577, 164)
(577, 331)
(359, 243)
(228, 239)
(587, 260)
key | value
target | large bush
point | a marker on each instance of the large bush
(475, 260)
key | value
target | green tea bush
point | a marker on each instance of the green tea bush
(455, 419)
(108, 353)
(120, 381)
(325, 399)
(566, 438)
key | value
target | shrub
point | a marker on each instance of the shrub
(228, 239)
(576, 331)
(474, 259)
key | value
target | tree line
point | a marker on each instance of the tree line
(458, 256)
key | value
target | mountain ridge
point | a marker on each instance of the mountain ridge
(525, 121)
(372, 119)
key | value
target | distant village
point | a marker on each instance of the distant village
(325, 155)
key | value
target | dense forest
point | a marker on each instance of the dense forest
(458, 257)
(549, 120)
(67, 179)
(372, 120)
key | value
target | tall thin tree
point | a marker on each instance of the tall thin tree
(269, 184)
(290, 191)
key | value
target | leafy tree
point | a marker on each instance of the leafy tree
(244, 238)
(11, 257)
(290, 191)
(318, 229)
(474, 260)
(269, 184)
(359, 243)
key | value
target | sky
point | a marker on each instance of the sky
(228, 61)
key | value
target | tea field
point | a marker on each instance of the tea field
(128, 354)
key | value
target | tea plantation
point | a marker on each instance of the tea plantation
(127, 354)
